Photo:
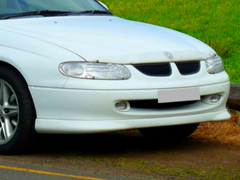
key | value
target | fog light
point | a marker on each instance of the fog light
(215, 98)
(121, 106)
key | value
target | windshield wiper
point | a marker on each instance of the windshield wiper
(32, 13)
(54, 13)
(90, 12)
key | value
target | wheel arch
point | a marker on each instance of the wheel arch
(23, 136)
(3, 63)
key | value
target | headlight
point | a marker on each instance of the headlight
(102, 71)
(215, 65)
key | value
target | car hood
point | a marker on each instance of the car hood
(111, 39)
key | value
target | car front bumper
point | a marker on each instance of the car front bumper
(66, 111)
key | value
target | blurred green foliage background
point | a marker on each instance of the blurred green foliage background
(215, 22)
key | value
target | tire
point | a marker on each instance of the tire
(17, 113)
(172, 133)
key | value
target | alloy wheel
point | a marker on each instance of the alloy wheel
(9, 112)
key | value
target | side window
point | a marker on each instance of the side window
(3, 3)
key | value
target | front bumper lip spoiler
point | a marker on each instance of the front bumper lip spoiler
(54, 126)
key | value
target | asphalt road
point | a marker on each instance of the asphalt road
(122, 156)
(16, 171)
(10, 175)
(10, 171)
(16, 168)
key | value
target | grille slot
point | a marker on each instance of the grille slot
(162, 69)
(188, 68)
(153, 104)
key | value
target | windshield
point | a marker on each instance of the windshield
(22, 6)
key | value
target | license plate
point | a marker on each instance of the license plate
(178, 95)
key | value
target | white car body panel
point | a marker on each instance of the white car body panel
(36, 47)
(47, 126)
(22, 52)
(106, 37)
(51, 106)
(94, 110)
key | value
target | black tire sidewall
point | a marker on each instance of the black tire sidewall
(24, 102)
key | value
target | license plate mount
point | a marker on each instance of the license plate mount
(178, 95)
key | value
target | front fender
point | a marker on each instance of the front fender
(36, 60)
(36, 70)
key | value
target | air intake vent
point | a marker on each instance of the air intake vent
(153, 104)
(163, 69)
(188, 68)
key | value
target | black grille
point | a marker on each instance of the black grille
(153, 104)
(163, 69)
(188, 68)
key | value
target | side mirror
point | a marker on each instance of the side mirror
(104, 5)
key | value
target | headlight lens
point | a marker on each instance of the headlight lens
(103, 71)
(215, 65)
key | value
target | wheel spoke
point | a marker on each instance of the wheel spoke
(11, 107)
(8, 128)
(1, 90)
(12, 113)
(12, 98)
(14, 123)
(1, 133)
(4, 131)
(6, 94)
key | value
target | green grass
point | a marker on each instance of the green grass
(215, 22)
(179, 172)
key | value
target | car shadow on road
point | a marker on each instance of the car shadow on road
(114, 144)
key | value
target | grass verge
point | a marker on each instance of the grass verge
(215, 22)
(222, 132)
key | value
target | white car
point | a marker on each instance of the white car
(71, 67)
